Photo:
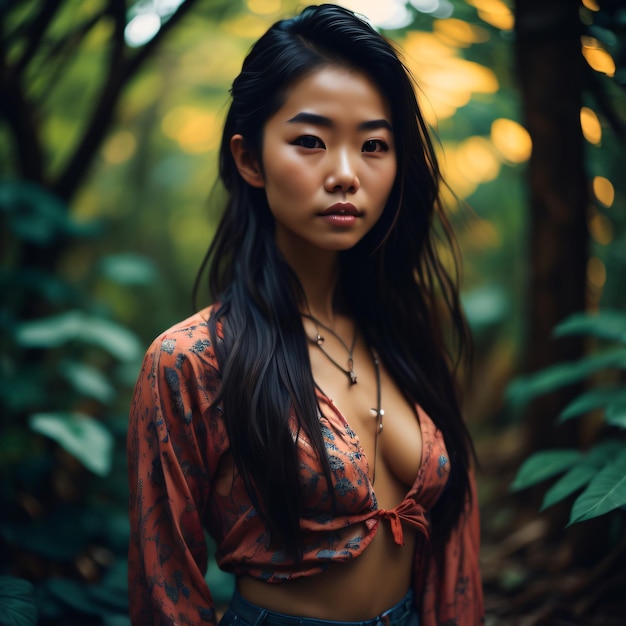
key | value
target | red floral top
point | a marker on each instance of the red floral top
(176, 440)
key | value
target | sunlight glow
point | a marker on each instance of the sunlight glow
(445, 81)
(196, 130)
(119, 147)
(598, 58)
(596, 272)
(425, 6)
(494, 12)
(387, 14)
(246, 26)
(592, 5)
(511, 140)
(141, 29)
(476, 160)
(601, 229)
(457, 32)
(603, 190)
(264, 7)
(590, 124)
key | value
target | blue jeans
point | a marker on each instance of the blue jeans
(240, 612)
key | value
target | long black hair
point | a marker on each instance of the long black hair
(392, 282)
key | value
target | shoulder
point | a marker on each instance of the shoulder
(185, 344)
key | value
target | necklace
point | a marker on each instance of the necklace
(379, 413)
(319, 341)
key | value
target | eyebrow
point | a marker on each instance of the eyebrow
(321, 120)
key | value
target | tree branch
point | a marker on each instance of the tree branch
(121, 71)
(36, 32)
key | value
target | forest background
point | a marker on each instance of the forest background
(110, 116)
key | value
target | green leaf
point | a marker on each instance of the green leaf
(88, 380)
(580, 475)
(606, 324)
(80, 435)
(524, 389)
(52, 332)
(593, 399)
(116, 339)
(17, 602)
(616, 414)
(542, 465)
(576, 478)
(606, 492)
(128, 269)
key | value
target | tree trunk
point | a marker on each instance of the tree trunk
(550, 70)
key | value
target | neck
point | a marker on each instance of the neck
(317, 273)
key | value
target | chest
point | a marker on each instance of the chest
(392, 454)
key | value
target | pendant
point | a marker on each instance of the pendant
(352, 377)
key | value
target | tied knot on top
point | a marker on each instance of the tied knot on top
(409, 512)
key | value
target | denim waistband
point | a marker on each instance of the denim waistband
(401, 614)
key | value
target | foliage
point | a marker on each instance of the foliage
(64, 495)
(599, 472)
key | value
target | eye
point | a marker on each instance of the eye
(310, 142)
(375, 145)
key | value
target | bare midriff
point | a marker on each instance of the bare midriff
(353, 591)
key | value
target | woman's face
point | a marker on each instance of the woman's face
(328, 162)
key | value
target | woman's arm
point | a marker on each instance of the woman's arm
(169, 482)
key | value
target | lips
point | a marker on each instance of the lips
(342, 208)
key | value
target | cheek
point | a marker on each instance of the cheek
(287, 178)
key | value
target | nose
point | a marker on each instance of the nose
(342, 175)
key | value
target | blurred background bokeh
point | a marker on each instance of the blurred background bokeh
(110, 117)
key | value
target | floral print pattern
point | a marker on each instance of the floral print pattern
(176, 440)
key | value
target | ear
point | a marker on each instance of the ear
(246, 162)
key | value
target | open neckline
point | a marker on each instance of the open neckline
(330, 402)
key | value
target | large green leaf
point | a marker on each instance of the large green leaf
(606, 492)
(524, 389)
(593, 399)
(606, 324)
(17, 602)
(80, 435)
(52, 332)
(575, 479)
(542, 465)
(88, 380)
(128, 269)
(38, 216)
(616, 414)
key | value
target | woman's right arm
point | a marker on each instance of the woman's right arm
(169, 482)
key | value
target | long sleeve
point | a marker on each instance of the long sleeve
(169, 477)
(453, 593)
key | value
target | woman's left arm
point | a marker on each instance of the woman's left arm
(453, 592)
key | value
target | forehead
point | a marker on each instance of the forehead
(336, 92)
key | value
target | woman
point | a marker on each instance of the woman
(308, 420)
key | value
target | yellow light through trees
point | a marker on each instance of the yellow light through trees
(592, 5)
(459, 33)
(511, 140)
(246, 26)
(467, 165)
(264, 7)
(601, 229)
(599, 60)
(494, 12)
(119, 147)
(596, 272)
(590, 124)
(196, 130)
(445, 81)
(603, 190)
(476, 160)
